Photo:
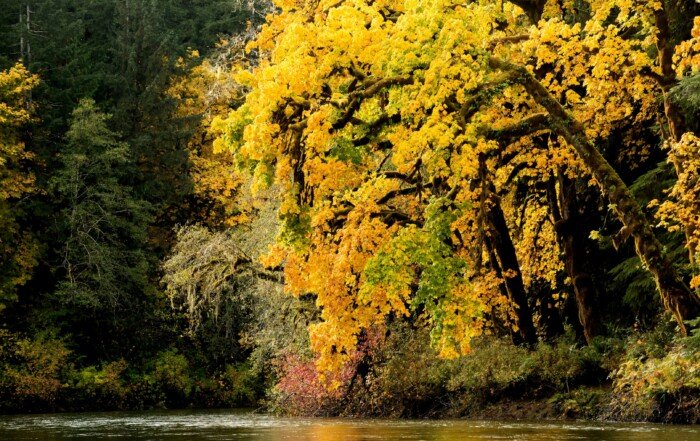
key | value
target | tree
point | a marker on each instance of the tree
(204, 94)
(149, 56)
(389, 125)
(210, 278)
(17, 246)
(102, 225)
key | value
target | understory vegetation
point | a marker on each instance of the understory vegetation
(649, 377)
(387, 208)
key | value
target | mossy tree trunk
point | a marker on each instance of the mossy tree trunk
(571, 237)
(504, 250)
(677, 298)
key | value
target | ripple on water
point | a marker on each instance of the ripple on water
(244, 425)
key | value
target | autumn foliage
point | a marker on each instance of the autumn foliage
(17, 247)
(358, 207)
(432, 157)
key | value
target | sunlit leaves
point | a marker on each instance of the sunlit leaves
(681, 211)
(418, 267)
(18, 250)
(392, 141)
(687, 54)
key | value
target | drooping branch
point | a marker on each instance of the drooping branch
(383, 200)
(374, 127)
(340, 214)
(400, 192)
(391, 216)
(258, 271)
(505, 40)
(676, 296)
(366, 91)
(482, 96)
(395, 175)
(527, 126)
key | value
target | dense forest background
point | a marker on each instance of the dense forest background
(165, 174)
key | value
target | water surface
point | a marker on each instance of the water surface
(244, 425)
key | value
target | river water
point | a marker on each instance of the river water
(244, 425)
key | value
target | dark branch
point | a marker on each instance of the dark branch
(505, 40)
(533, 8)
(394, 193)
(531, 124)
(367, 91)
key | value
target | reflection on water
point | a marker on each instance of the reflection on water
(241, 425)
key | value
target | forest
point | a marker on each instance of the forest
(380, 208)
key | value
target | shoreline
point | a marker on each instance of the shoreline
(551, 408)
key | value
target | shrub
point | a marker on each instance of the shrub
(240, 385)
(408, 378)
(402, 376)
(31, 371)
(659, 382)
(100, 388)
(497, 369)
(300, 390)
(172, 375)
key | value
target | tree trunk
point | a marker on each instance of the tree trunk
(549, 318)
(533, 8)
(666, 43)
(675, 294)
(515, 336)
(571, 236)
(507, 259)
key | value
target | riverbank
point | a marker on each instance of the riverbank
(599, 404)
(653, 377)
(584, 404)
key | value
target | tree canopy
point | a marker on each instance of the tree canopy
(427, 153)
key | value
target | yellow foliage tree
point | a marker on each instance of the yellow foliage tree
(17, 248)
(206, 92)
(681, 210)
(399, 130)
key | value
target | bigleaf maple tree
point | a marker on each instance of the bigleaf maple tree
(404, 133)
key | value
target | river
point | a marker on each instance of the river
(244, 425)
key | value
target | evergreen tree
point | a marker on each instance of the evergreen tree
(103, 265)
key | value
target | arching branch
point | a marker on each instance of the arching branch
(531, 124)
(676, 296)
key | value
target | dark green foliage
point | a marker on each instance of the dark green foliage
(686, 95)
(629, 276)
(111, 187)
(101, 266)
(104, 224)
(36, 374)
(680, 18)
